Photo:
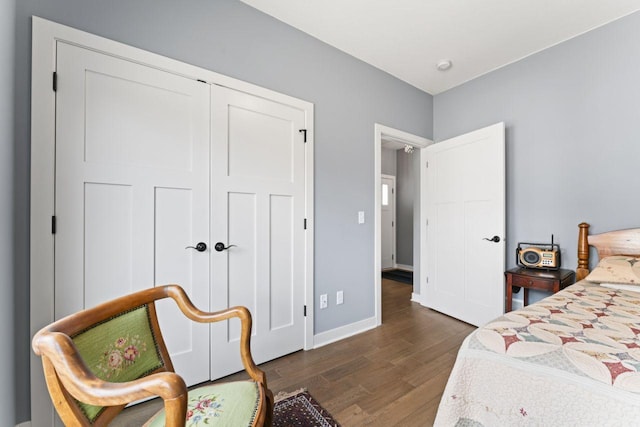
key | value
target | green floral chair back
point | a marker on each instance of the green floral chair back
(120, 349)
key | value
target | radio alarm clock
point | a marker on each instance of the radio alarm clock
(538, 255)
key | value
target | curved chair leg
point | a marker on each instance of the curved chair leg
(270, 404)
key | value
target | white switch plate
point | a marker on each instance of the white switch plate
(339, 297)
(323, 301)
(360, 217)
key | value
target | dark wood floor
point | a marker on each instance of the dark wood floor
(391, 375)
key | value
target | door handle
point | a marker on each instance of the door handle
(494, 239)
(221, 247)
(200, 247)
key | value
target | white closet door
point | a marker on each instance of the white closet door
(132, 191)
(258, 190)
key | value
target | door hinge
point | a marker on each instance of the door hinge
(304, 133)
(393, 256)
(305, 223)
(427, 164)
(392, 191)
(392, 224)
(305, 311)
(427, 279)
(55, 81)
(53, 224)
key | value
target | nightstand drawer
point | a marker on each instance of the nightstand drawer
(541, 280)
(532, 283)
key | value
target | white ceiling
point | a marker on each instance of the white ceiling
(407, 38)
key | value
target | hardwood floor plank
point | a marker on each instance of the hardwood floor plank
(425, 416)
(425, 372)
(412, 403)
(385, 395)
(335, 401)
(352, 416)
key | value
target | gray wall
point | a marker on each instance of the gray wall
(388, 161)
(406, 185)
(572, 115)
(229, 37)
(7, 337)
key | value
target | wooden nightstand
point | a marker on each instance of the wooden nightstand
(543, 280)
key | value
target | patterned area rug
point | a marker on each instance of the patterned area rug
(300, 409)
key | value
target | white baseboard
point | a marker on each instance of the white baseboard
(516, 304)
(404, 267)
(24, 424)
(342, 332)
(416, 298)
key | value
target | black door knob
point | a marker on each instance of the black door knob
(200, 247)
(494, 239)
(221, 247)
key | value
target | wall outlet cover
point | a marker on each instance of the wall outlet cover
(323, 301)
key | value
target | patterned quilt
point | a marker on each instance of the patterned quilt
(570, 359)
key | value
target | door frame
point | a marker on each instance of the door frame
(393, 220)
(419, 233)
(45, 35)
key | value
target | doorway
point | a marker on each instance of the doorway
(396, 139)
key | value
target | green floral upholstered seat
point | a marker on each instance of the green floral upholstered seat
(227, 404)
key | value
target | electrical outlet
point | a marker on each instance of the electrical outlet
(323, 301)
(339, 297)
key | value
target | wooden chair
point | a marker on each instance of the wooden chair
(98, 360)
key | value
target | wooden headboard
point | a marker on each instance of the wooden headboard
(619, 242)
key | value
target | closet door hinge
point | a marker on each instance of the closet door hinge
(305, 223)
(55, 81)
(53, 224)
(304, 133)
(305, 311)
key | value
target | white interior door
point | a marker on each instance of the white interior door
(132, 191)
(257, 206)
(388, 220)
(465, 207)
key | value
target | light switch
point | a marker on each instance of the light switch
(360, 217)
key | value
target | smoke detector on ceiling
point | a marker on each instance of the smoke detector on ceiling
(444, 65)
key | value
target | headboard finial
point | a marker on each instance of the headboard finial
(583, 251)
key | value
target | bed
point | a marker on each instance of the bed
(570, 359)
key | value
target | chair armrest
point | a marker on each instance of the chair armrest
(58, 350)
(197, 315)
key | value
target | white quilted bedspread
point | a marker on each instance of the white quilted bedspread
(572, 359)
